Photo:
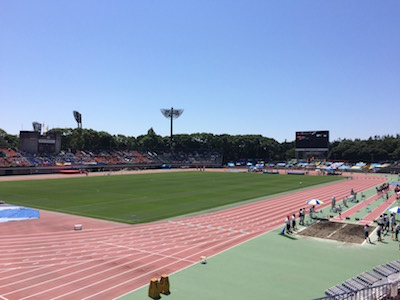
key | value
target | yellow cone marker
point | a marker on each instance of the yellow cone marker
(154, 289)
(164, 285)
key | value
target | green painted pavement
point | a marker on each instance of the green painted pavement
(276, 267)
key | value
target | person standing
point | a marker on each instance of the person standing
(294, 222)
(379, 232)
(392, 222)
(287, 221)
(301, 217)
(339, 209)
(333, 203)
(396, 232)
(380, 220)
(386, 223)
(366, 233)
(311, 212)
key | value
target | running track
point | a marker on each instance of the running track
(48, 260)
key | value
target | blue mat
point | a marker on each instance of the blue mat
(14, 213)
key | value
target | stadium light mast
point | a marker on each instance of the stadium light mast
(37, 127)
(172, 114)
(78, 118)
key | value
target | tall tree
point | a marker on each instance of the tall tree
(8, 140)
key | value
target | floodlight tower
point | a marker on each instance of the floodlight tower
(172, 114)
(37, 127)
(78, 118)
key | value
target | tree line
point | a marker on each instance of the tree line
(232, 147)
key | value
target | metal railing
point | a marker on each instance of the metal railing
(379, 292)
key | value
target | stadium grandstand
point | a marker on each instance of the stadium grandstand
(16, 162)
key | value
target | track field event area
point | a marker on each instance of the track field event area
(139, 226)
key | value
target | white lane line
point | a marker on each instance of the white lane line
(145, 251)
(104, 272)
(150, 272)
(208, 227)
(94, 274)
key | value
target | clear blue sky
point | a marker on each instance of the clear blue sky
(236, 67)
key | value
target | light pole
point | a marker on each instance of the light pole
(78, 118)
(172, 114)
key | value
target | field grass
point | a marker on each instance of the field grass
(150, 197)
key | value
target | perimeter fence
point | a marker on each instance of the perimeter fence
(380, 292)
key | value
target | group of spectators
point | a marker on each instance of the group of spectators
(387, 224)
(15, 158)
(384, 187)
(10, 157)
(290, 221)
(338, 209)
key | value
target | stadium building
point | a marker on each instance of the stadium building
(35, 143)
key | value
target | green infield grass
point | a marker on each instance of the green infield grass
(150, 197)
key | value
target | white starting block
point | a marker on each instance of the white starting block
(77, 227)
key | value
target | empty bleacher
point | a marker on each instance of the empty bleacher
(367, 285)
